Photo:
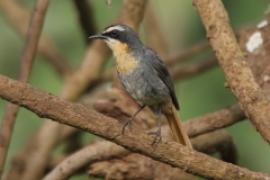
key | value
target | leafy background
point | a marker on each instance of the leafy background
(182, 27)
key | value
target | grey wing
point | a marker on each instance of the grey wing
(160, 68)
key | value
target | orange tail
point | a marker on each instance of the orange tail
(176, 127)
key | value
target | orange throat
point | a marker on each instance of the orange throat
(125, 61)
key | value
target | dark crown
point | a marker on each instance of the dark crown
(121, 33)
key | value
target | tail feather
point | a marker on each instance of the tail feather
(177, 128)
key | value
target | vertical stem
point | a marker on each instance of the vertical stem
(27, 58)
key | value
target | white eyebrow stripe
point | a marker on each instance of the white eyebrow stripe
(119, 28)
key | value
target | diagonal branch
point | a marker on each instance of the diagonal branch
(187, 53)
(29, 52)
(135, 166)
(154, 35)
(189, 70)
(18, 17)
(194, 127)
(214, 120)
(46, 105)
(105, 150)
(238, 74)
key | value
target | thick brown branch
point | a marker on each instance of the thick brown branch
(196, 126)
(104, 150)
(132, 13)
(136, 166)
(19, 161)
(237, 72)
(18, 17)
(46, 105)
(29, 52)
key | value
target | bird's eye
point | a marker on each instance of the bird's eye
(114, 34)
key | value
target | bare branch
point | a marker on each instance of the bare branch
(213, 121)
(19, 161)
(29, 52)
(94, 152)
(104, 150)
(189, 70)
(46, 105)
(18, 17)
(154, 35)
(215, 142)
(136, 166)
(187, 53)
(132, 13)
(237, 72)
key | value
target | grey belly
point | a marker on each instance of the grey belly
(145, 87)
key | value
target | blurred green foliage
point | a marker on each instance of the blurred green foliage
(182, 27)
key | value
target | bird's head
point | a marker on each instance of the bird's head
(119, 37)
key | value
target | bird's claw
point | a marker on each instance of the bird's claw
(128, 124)
(157, 136)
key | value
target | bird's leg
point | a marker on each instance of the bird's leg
(157, 133)
(129, 121)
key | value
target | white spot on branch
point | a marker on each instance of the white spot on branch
(254, 41)
(266, 78)
(262, 24)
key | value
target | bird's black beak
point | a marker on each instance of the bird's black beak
(98, 36)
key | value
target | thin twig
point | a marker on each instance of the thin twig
(18, 17)
(155, 38)
(237, 72)
(29, 52)
(217, 141)
(190, 70)
(49, 106)
(214, 120)
(85, 15)
(94, 152)
(187, 53)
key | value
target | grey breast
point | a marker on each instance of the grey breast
(144, 85)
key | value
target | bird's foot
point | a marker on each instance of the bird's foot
(157, 136)
(128, 124)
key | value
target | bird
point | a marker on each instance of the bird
(145, 77)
